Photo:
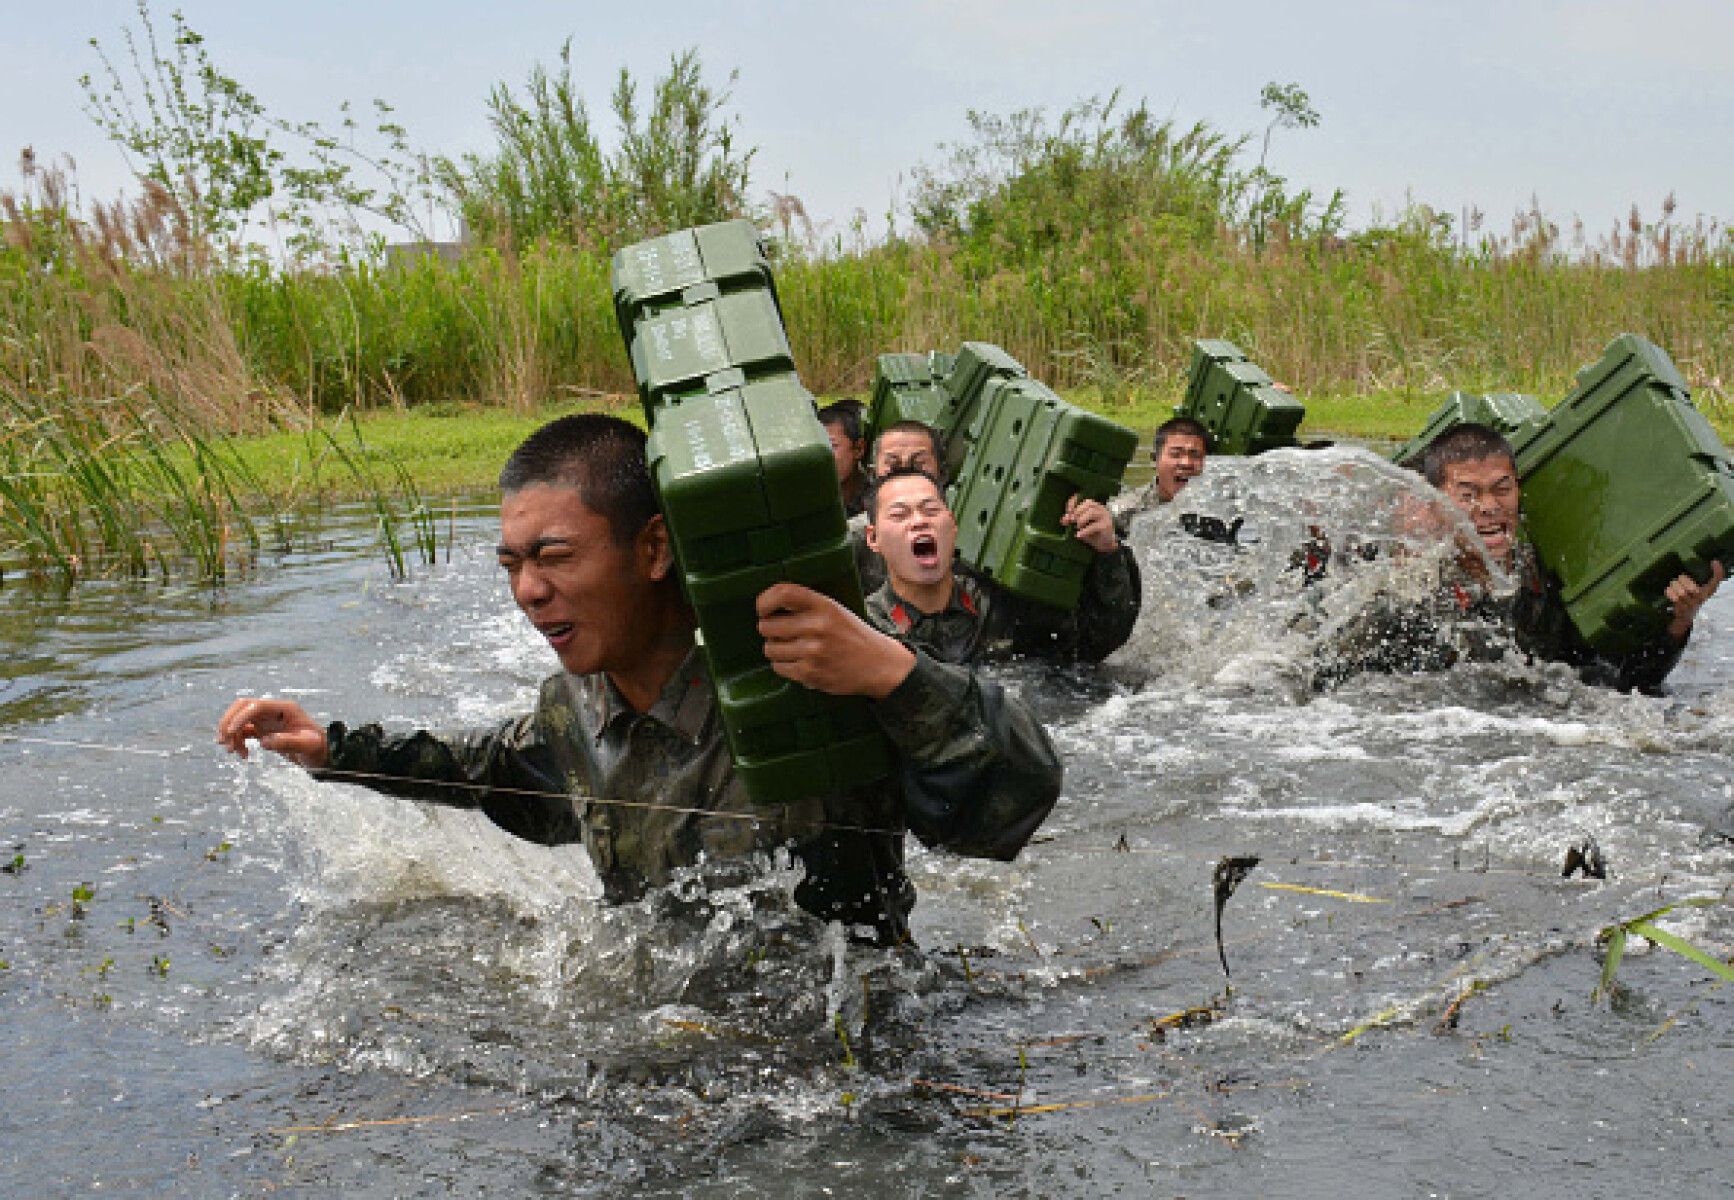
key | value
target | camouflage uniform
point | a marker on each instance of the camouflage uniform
(857, 506)
(977, 777)
(868, 565)
(1461, 622)
(984, 622)
(1544, 630)
(1128, 504)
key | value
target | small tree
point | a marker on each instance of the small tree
(182, 121)
(548, 177)
(1290, 108)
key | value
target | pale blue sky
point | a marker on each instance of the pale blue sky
(1588, 105)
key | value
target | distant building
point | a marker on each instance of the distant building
(407, 254)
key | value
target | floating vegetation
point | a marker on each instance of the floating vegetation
(1230, 872)
(1194, 1017)
(1614, 938)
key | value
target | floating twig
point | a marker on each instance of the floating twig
(1026, 1110)
(1352, 897)
(335, 1126)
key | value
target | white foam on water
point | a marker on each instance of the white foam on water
(364, 846)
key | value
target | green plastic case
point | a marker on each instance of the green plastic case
(686, 267)
(1511, 413)
(1024, 452)
(1625, 487)
(976, 366)
(1237, 402)
(698, 311)
(746, 482)
(909, 387)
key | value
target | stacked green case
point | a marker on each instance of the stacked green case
(1624, 488)
(977, 365)
(1237, 402)
(1024, 452)
(1515, 415)
(745, 478)
(698, 311)
(909, 387)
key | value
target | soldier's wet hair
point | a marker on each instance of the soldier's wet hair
(843, 414)
(1468, 442)
(601, 456)
(1186, 427)
(871, 505)
(934, 439)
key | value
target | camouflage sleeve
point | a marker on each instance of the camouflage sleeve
(878, 611)
(1108, 608)
(868, 565)
(505, 771)
(979, 775)
(1645, 670)
(1128, 504)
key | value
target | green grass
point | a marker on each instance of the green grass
(458, 451)
(446, 451)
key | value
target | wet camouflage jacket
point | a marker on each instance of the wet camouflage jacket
(1544, 630)
(1464, 623)
(1129, 503)
(985, 623)
(868, 565)
(648, 793)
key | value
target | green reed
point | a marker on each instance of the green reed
(129, 488)
(423, 533)
(1614, 938)
(1096, 263)
(115, 489)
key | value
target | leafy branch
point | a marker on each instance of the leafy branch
(183, 122)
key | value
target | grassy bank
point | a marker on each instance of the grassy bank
(1399, 314)
(164, 396)
(245, 349)
(458, 451)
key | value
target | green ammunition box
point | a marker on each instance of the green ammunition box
(710, 347)
(977, 365)
(698, 311)
(745, 478)
(1026, 451)
(909, 387)
(1512, 414)
(1625, 487)
(687, 267)
(1237, 402)
(749, 491)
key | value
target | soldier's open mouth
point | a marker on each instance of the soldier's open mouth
(925, 547)
(556, 634)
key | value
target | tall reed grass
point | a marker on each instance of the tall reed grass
(120, 306)
(123, 377)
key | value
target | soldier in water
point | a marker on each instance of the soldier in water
(842, 422)
(947, 610)
(1177, 450)
(1474, 467)
(902, 444)
(624, 749)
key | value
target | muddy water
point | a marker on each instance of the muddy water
(271, 985)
